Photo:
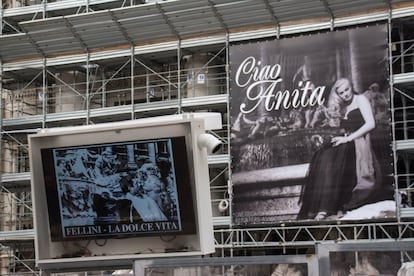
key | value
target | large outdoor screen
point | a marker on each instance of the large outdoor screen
(121, 189)
(310, 128)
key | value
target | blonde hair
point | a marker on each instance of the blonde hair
(336, 104)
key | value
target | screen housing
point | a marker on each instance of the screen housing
(55, 253)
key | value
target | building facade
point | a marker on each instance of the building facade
(75, 62)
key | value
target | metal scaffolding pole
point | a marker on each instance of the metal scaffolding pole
(391, 84)
(1, 19)
(132, 82)
(88, 97)
(1, 118)
(44, 91)
(229, 183)
(180, 98)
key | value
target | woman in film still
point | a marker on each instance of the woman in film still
(344, 174)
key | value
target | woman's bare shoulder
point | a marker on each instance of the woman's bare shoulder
(361, 98)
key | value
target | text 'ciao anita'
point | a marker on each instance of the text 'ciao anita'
(261, 83)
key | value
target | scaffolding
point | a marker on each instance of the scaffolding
(83, 62)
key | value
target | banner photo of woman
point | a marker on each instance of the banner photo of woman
(310, 128)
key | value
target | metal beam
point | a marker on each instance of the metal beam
(120, 27)
(168, 22)
(33, 42)
(274, 16)
(329, 11)
(218, 16)
(75, 35)
(299, 236)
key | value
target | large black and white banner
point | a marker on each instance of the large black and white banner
(310, 131)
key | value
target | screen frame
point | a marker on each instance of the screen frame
(182, 183)
(87, 253)
(324, 250)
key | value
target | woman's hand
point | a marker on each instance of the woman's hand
(340, 140)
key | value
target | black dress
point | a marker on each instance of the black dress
(332, 175)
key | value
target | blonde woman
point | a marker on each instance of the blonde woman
(342, 175)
